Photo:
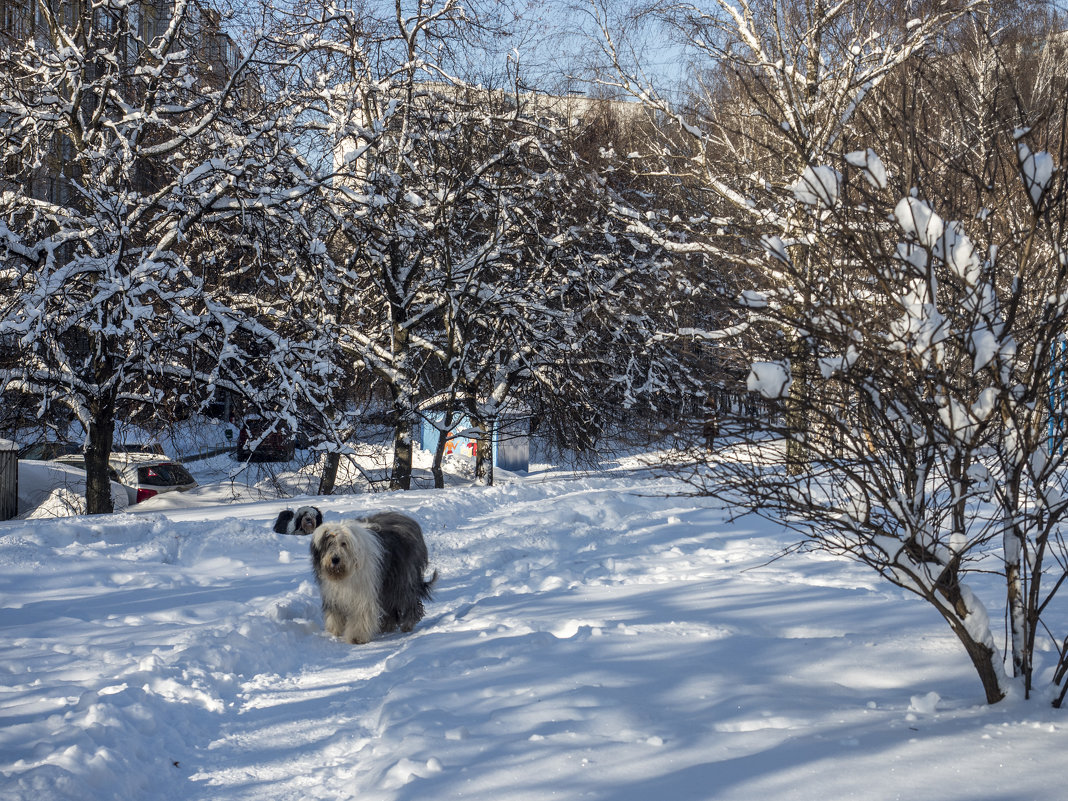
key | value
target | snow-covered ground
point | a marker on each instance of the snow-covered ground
(590, 638)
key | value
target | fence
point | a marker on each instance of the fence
(9, 480)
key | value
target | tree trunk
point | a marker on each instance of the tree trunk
(439, 451)
(329, 476)
(976, 643)
(1015, 605)
(401, 477)
(1021, 595)
(983, 659)
(797, 403)
(435, 469)
(97, 452)
(484, 454)
(797, 452)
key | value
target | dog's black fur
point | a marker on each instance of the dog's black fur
(304, 521)
(404, 562)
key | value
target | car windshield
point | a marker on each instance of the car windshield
(256, 426)
(163, 475)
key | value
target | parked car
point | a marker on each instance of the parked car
(276, 446)
(144, 475)
(54, 488)
(78, 460)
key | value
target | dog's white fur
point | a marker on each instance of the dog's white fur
(348, 569)
(306, 519)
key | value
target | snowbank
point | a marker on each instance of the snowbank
(590, 638)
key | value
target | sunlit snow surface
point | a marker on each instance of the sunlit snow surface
(590, 638)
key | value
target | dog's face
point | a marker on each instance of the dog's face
(337, 552)
(307, 519)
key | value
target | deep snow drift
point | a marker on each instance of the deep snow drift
(590, 638)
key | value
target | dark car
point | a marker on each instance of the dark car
(256, 441)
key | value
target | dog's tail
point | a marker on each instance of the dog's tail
(426, 587)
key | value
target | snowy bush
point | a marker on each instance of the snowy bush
(929, 453)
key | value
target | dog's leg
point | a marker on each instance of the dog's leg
(334, 623)
(411, 615)
(358, 635)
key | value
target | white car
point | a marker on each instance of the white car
(143, 474)
(148, 474)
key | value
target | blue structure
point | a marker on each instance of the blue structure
(511, 440)
(1058, 393)
(511, 443)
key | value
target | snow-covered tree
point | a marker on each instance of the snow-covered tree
(477, 265)
(559, 328)
(128, 136)
(776, 86)
(374, 124)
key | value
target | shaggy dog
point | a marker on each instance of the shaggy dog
(370, 575)
(304, 521)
